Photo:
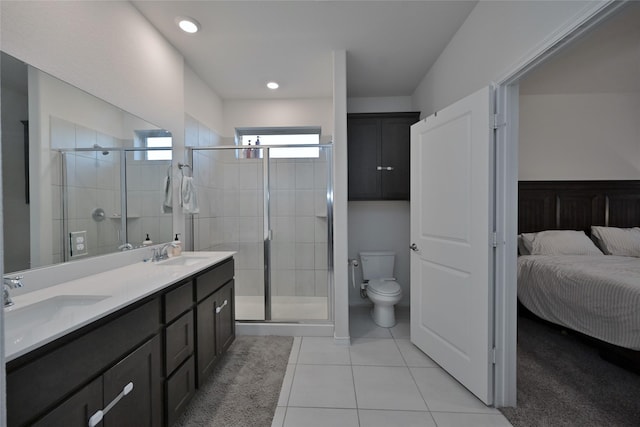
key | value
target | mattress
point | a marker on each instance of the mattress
(596, 295)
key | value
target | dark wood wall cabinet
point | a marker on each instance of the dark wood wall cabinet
(143, 363)
(378, 150)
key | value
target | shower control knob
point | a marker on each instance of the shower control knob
(413, 247)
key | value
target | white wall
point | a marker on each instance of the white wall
(380, 225)
(201, 102)
(277, 112)
(106, 48)
(588, 136)
(496, 38)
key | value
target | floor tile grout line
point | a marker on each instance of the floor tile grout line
(293, 376)
(353, 380)
(420, 391)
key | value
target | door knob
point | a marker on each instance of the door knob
(413, 247)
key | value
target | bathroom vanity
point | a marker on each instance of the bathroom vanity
(131, 352)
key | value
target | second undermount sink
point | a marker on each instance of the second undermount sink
(20, 319)
(183, 260)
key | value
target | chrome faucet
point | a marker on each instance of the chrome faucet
(161, 253)
(11, 283)
(125, 247)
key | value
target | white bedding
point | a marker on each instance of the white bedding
(596, 295)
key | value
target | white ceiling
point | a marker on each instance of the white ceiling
(243, 44)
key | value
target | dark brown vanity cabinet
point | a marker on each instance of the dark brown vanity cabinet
(68, 381)
(378, 151)
(157, 345)
(215, 318)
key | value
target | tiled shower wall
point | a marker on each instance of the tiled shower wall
(145, 194)
(230, 192)
(92, 179)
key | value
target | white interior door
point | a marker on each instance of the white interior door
(452, 227)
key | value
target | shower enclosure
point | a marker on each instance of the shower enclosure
(110, 198)
(273, 206)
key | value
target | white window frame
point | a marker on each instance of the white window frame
(264, 133)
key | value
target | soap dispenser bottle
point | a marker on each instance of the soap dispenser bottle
(147, 241)
(177, 246)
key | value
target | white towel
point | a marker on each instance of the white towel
(167, 203)
(188, 197)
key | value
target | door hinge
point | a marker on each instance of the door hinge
(494, 240)
(498, 121)
(493, 355)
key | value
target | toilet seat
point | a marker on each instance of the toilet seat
(387, 288)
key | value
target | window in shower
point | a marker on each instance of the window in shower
(289, 136)
(155, 139)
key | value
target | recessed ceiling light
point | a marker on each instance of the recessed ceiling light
(188, 25)
(273, 85)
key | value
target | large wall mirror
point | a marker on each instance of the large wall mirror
(81, 177)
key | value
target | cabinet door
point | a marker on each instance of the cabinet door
(180, 389)
(75, 411)
(225, 322)
(395, 136)
(363, 135)
(206, 338)
(143, 405)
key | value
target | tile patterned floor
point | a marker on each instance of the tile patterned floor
(380, 380)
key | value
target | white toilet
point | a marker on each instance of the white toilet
(381, 287)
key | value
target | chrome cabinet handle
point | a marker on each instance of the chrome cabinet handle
(99, 415)
(219, 309)
(385, 168)
(414, 247)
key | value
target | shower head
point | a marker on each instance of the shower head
(104, 153)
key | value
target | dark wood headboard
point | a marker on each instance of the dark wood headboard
(577, 205)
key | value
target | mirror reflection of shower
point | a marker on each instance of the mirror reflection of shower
(111, 195)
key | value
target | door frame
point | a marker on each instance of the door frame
(506, 191)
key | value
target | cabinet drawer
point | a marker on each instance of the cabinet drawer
(212, 280)
(178, 301)
(178, 341)
(180, 390)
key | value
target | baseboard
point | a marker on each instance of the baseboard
(285, 329)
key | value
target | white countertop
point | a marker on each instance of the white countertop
(42, 316)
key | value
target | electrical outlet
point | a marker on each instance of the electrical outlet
(78, 243)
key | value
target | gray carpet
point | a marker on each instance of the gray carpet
(563, 382)
(245, 386)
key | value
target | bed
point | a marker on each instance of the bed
(566, 282)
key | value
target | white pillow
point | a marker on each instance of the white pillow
(523, 249)
(559, 242)
(617, 241)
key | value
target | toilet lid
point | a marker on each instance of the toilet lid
(384, 287)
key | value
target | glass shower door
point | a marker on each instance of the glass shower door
(298, 188)
(231, 195)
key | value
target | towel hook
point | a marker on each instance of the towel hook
(181, 166)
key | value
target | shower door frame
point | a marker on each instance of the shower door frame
(267, 230)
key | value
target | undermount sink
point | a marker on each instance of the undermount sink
(18, 320)
(182, 260)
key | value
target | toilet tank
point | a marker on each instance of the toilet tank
(377, 264)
